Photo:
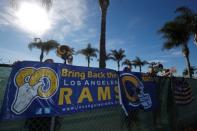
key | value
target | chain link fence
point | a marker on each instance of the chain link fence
(166, 118)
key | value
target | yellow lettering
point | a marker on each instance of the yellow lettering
(116, 90)
(64, 72)
(95, 75)
(63, 96)
(85, 94)
(89, 74)
(103, 94)
(72, 73)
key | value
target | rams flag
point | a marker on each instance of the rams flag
(54, 89)
(137, 91)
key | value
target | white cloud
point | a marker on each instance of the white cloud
(10, 56)
(158, 60)
(172, 53)
(176, 53)
(66, 16)
(71, 11)
(115, 43)
(85, 37)
(6, 16)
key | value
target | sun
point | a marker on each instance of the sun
(33, 18)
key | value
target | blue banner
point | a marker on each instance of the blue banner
(138, 91)
(44, 89)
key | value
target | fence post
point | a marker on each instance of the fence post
(52, 126)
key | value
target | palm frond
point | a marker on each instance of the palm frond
(127, 62)
(88, 52)
(35, 45)
(192, 70)
(117, 55)
(45, 3)
(50, 45)
(183, 10)
(104, 3)
(175, 34)
(138, 62)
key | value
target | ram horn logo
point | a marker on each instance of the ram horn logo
(33, 83)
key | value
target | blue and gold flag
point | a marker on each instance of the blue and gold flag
(137, 91)
(53, 89)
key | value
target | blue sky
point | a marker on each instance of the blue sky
(131, 25)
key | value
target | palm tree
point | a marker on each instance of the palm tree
(88, 52)
(139, 62)
(192, 71)
(102, 58)
(117, 55)
(189, 18)
(43, 46)
(177, 32)
(107, 57)
(128, 63)
(195, 29)
(151, 64)
(177, 35)
(66, 53)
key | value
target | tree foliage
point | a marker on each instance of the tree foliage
(89, 53)
(178, 32)
(43, 46)
(117, 55)
(138, 62)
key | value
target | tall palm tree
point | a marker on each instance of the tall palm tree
(43, 46)
(118, 55)
(89, 53)
(192, 71)
(189, 18)
(128, 63)
(138, 62)
(177, 32)
(177, 35)
(66, 53)
(107, 57)
(102, 57)
(195, 29)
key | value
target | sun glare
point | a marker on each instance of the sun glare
(33, 18)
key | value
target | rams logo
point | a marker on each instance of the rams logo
(32, 83)
(134, 91)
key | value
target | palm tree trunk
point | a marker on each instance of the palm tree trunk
(188, 66)
(130, 67)
(41, 55)
(186, 54)
(102, 60)
(118, 65)
(88, 61)
(140, 69)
